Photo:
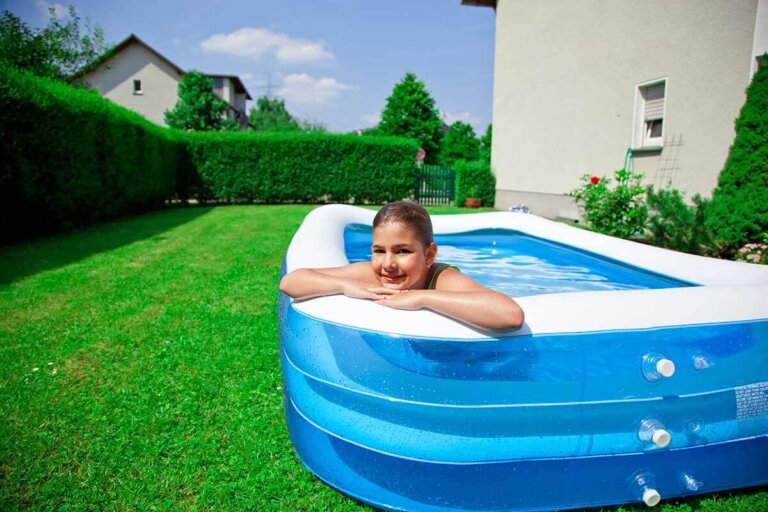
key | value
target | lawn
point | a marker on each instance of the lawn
(139, 370)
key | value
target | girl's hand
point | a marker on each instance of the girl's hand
(407, 299)
(358, 290)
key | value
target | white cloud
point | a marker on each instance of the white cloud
(465, 117)
(307, 90)
(254, 43)
(59, 11)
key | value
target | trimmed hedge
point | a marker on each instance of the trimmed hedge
(70, 158)
(474, 179)
(303, 167)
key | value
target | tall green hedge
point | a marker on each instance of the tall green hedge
(474, 179)
(68, 158)
(738, 213)
(303, 167)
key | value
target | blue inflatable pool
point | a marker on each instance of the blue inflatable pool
(640, 373)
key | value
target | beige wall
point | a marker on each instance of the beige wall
(159, 82)
(566, 72)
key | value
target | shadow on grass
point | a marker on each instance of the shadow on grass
(31, 257)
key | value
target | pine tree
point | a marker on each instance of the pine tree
(738, 213)
(198, 109)
(410, 112)
(460, 143)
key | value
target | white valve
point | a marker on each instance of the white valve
(665, 367)
(653, 431)
(661, 438)
(657, 366)
(651, 497)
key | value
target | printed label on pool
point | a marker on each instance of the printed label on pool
(751, 400)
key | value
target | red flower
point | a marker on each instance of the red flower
(594, 180)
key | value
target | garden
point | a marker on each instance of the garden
(139, 364)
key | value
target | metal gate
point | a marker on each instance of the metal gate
(435, 185)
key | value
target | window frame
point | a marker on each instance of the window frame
(137, 90)
(641, 141)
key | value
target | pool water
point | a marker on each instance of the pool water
(518, 265)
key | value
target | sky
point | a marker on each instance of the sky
(334, 62)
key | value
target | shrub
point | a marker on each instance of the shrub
(70, 157)
(618, 211)
(739, 210)
(755, 252)
(303, 167)
(475, 179)
(676, 225)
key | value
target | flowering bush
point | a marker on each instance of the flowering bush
(754, 252)
(619, 211)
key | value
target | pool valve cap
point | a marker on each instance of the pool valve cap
(661, 438)
(651, 497)
(665, 367)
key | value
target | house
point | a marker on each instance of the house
(136, 76)
(578, 83)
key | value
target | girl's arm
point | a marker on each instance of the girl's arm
(461, 297)
(355, 280)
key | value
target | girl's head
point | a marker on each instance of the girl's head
(410, 215)
(402, 247)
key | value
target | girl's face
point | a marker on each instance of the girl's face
(400, 260)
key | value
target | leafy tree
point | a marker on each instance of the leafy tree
(271, 116)
(459, 143)
(410, 112)
(57, 51)
(485, 144)
(738, 213)
(198, 109)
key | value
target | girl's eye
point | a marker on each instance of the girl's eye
(378, 251)
(405, 251)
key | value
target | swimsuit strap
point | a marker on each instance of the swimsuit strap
(435, 271)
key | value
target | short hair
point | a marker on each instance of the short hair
(412, 215)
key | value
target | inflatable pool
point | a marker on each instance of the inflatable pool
(640, 373)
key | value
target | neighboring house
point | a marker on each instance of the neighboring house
(578, 82)
(136, 76)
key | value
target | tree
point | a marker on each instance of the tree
(410, 112)
(57, 51)
(198, 109)
(485, 144)
(459, 143)
(271, 116)
(738, 213)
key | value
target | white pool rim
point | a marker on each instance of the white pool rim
(729, 291)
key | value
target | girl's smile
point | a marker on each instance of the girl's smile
(400, 260)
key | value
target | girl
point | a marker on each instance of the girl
(402, 274)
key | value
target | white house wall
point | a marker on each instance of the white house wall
(564, 94)
(159, 82)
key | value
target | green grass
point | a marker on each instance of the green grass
(158, 382)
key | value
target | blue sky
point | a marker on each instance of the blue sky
(333, 61)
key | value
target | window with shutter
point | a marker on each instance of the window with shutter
(650, 101)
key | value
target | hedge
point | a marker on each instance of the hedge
(70, 158)
(303, 167)
(474, 179)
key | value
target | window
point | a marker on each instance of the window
(137, 87)
(218, 86)
(650, 100)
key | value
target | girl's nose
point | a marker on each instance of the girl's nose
(390, 261)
